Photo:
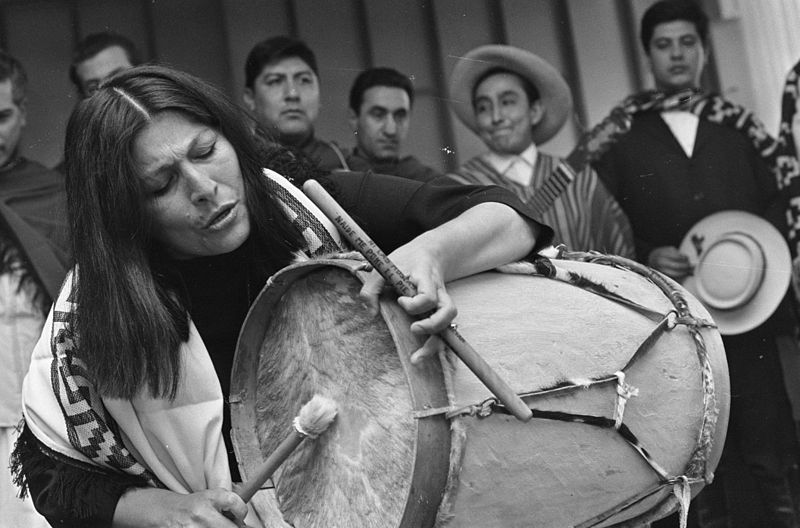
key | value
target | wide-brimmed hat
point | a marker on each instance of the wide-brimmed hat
(742, 268)
(553, 90)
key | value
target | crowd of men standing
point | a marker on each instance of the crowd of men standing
(513, 101)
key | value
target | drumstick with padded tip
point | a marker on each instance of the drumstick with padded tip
(314, 418)
(353, 232)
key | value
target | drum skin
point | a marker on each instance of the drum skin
(385, 462)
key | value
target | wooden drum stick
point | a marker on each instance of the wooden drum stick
(314, 418)
(390, 272)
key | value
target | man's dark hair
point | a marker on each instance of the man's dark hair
(273, 50)
(11, 69)
(527, 86)
(93, 44)
(670, 11)
(379, 77)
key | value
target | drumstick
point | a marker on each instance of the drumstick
(353, 232)
(314, 418)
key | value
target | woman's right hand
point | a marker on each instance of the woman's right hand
(146, 507)
(671, 262)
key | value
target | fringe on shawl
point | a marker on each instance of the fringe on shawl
(71, 486)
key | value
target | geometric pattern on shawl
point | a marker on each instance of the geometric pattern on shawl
(787, 164)
(319, 240)
(90, 429)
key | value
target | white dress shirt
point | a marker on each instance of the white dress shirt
(684, 127)
(515, 167)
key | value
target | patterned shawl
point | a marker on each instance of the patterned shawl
(173, 443)
(786, 164)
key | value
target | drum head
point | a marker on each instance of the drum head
(310, 333)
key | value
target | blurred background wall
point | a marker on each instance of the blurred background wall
(594, 43)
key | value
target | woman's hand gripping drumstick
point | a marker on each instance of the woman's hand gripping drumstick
(314, 418)
(392, 274)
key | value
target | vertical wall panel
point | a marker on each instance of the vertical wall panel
(39, 34)
(125, 17)
(332, 31)
(246, 23)
(545, 41)
(603, 64)
(189, 35)
(462, 25)
(400, 39)
(637, 8)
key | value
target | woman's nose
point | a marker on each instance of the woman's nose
(202, 186)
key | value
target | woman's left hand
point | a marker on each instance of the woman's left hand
(432, 303)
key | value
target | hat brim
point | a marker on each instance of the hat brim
(777, 270)
(554, 92)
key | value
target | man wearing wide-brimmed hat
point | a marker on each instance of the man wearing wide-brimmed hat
(514, 100)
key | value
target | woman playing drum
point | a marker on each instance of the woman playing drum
(176, 227)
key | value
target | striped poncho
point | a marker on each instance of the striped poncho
(584, 217)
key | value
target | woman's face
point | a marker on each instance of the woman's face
(195, 192)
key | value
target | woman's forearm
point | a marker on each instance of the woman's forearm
(481, 238)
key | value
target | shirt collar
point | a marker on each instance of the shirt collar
(502, 162)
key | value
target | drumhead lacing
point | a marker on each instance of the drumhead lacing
(696, 470)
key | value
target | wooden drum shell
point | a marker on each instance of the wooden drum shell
(379, 465)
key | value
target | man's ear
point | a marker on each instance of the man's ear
(23, 112)
(352, 118)
(537, 112)
(249, 102)
(706, 56)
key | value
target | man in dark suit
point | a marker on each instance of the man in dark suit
(672, 169)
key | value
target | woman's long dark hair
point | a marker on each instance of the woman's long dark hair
(130, 319)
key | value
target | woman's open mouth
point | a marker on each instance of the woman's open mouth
(221, 217)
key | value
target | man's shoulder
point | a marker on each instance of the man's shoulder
(477, 170)
(327, 154)
(478, 161)
(410, 166)
(30, 175)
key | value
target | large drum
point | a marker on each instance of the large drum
(624, 371)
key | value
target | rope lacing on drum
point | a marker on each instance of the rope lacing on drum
(696, 470)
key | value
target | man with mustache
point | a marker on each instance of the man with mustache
(282, 92)
(514, 101)
(673, 168)
(380, 116)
